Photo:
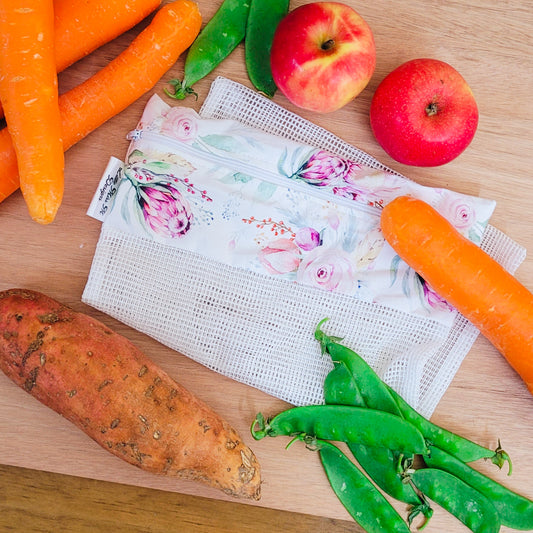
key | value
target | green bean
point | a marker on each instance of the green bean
(368, 507)
(460, 447)
(216, 41)
(375, 393)
(471, 507)
(515, 511)
(345, 424)
(263, 20)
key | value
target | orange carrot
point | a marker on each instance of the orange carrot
(9, 174)
(82, 27)
(125, 79)
(467, 277)
(28, 91)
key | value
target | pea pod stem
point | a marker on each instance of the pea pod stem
(258, 427)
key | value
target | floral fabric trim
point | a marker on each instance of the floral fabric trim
(275, 207)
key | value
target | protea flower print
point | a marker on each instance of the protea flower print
(432, 298)
(323, 168)
(165, 210)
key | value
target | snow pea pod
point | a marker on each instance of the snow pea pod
(515, 511)
(471, 507)
(381, 464)
(360, 497)
(384, 466)
(460, 447)
(344, 424)
(216, 41)
(375, 393)
(263, 20)
(340, 387)
(378, 395)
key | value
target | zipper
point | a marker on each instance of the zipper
(246, 168)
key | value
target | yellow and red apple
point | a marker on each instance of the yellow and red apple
(323, 55)
(423, 113)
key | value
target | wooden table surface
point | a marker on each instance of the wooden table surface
(44, 486)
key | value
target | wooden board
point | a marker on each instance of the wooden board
(490, 44)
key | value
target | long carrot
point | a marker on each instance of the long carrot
(28, 91)
(467, 277)
(125, 79)
(82, 27)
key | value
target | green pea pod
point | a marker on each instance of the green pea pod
(384, 466)
(372, 389)
(220, 36)
(344, 424)
(515, 511)
(467, 504)
(340, 387)
(375, 393)
(381, 464)
(263, 19)
(460, 447)
(360, 497)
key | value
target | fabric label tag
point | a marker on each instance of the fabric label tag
(107, 189)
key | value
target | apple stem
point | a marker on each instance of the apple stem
(328, 45)
(432, 109)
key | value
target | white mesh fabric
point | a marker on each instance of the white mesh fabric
(258, 329)
(250, 327)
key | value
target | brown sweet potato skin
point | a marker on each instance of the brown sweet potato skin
(107, 387)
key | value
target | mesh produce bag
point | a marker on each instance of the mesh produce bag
(229, 234)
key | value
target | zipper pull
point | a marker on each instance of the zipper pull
(134, 135)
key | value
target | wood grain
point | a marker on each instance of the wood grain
(53, 502)
(490, 44)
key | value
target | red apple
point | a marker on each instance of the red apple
(424, 113)
(323, 55)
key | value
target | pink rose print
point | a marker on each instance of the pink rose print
(165, 210)
(280, 257)
(307, 239)
(181, 123)
(327, 269)
(458, 211)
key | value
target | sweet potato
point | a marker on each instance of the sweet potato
(108, 388)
